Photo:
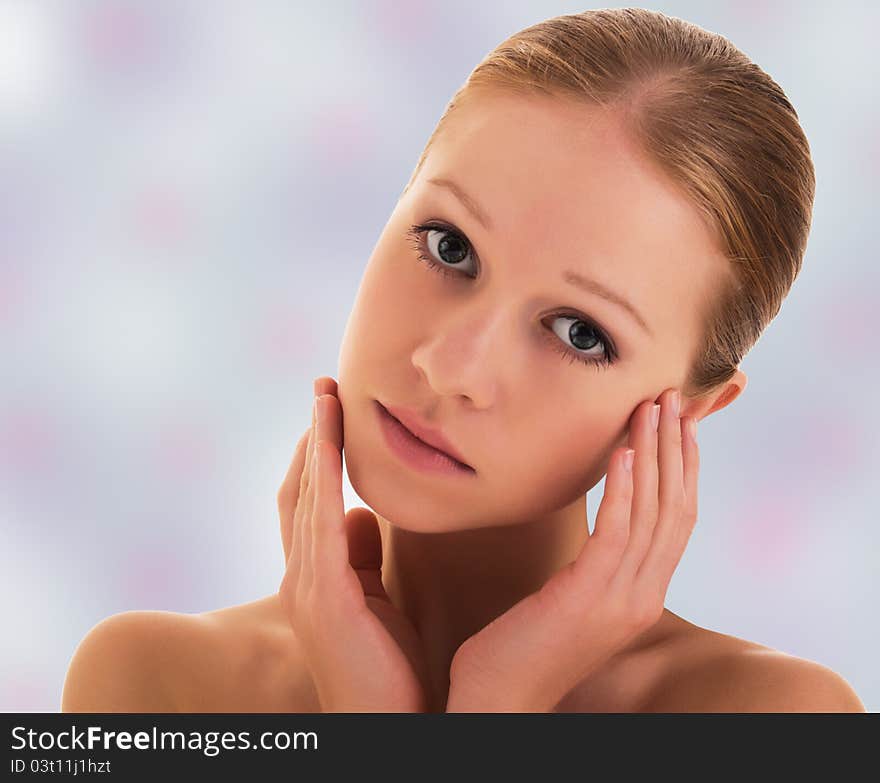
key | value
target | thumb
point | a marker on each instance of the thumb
(365, 549)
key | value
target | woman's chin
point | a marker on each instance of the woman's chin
(404, 504)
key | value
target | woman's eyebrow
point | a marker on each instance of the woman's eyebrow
(479, 214)
(597, 288)
(573, 278)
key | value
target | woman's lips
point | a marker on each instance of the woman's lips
(414, 450)
(434, 438)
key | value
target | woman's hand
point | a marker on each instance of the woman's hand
(364, 655)
(527, 659)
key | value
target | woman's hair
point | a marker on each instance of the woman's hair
(717, 125)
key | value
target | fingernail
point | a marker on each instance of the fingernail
(676, 402)
(628, 459)
(692, 429)
(655, 416)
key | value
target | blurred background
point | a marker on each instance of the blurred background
(189, 193)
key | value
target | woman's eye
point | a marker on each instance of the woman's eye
(443, 249)
(581, 338)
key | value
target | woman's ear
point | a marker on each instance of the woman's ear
(699, 409)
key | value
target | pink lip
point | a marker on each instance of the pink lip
(433, 438)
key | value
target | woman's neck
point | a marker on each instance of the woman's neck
(451, 585)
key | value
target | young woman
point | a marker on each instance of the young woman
(605, 219)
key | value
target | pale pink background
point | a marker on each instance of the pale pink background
(188, 194)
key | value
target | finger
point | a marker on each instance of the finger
(365, 550)
(309, 504)
(326, 426)
(301, 512)
(645, 504)
(671, 497)
(332, 422)
(330, 433)
(321, 385)
(671, 469)
(661, 566)
(602, 551)
(325, 385)
(288, 494)
(329, 546)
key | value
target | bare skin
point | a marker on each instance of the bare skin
(244, 658)
(475, 355)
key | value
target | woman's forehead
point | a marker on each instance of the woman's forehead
(552, 167)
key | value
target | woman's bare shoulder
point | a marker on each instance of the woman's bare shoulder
(123, 663)
(262, 668)
(236, 659)
(710, 671)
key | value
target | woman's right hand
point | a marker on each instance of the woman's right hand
(363, 653)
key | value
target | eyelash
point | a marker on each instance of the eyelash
(609, 354)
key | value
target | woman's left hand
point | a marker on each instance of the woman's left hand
(527, 659)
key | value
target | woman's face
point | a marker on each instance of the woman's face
(504, 354)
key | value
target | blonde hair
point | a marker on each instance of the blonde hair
(715, 123)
